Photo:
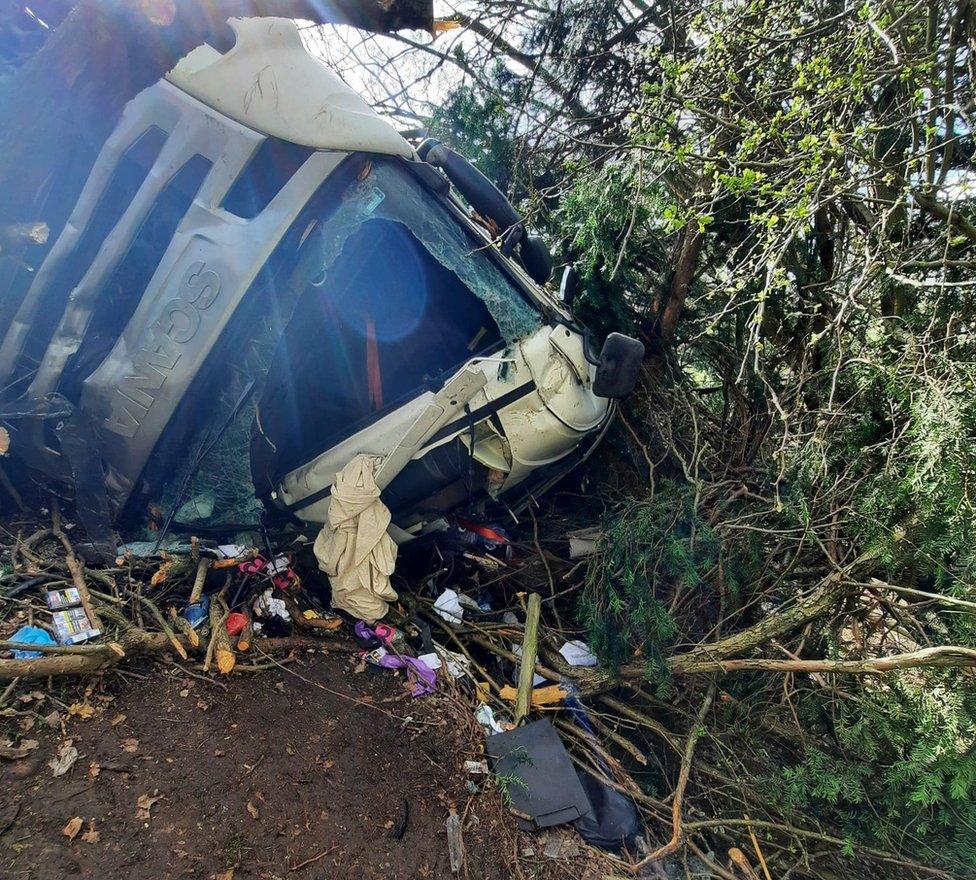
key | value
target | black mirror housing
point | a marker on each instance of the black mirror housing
(619, 366)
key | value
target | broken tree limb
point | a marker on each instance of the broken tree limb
(877, 584)
(610, 766)
(134, 643)
(158, 615)
(62, 649)
(831, 590)
(198, 581)
(183, 625)
(945, 656)
(809, 834)
(220, 647)
(247, 634)
(622, 742)
(138, 643)
(677, 803)
(530, 644)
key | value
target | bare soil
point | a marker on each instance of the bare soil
(315, 772)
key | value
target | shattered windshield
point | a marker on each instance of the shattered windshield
(386, 191)
(375, 293)
(393, 295)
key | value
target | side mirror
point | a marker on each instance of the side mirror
(569, 286)
(619, 366)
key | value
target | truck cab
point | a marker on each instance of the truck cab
(262, 279)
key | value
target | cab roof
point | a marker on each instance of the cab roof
(269, 82)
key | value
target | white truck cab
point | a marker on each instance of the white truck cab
(262, 279)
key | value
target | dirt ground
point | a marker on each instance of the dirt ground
(311, 773)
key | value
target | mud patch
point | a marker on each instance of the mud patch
(313, 772)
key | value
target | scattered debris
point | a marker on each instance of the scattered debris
(583, 543)
(144, 805)
(31, 635)
(449, 607)
(72, 827)
(65, 758)
(486, 718)
(578, 653)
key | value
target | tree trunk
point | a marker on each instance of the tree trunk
(940, 657)
(691, 243)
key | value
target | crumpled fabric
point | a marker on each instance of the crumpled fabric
(423, 679)
(353, 547)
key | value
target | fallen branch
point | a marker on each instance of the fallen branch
(75, 567)
(61, 649)
(219, 647)
(879, 854)
(876, 584)
(135, 643)
(677, 830)
(167, 631)
(530, 640)
(814, 604)
(947, 656)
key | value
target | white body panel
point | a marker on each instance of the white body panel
(269, 82)
(541, 427)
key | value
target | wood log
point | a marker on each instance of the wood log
(63, 649)
(220, 648)
(173, 569)
(158, 615)
(183, 625)
(201, 578)
(550, 695)
(139, 643)
(247, 634)
(821, 599)
(530, 644)
(939, 657)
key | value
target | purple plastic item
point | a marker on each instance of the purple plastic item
(425, 680)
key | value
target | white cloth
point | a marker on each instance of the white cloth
(353, 548)
(449, 607)
(578, 653)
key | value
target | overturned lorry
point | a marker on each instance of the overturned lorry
(262, 279)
